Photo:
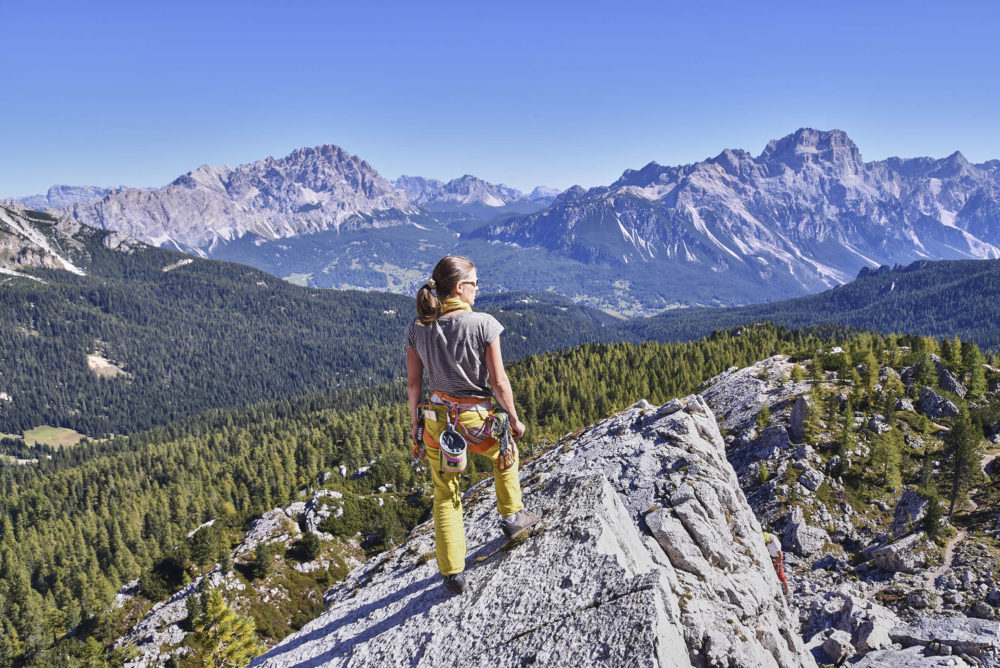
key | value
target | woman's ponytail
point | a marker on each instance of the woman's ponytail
(428, 305)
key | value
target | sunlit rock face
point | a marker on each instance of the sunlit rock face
(647, 554)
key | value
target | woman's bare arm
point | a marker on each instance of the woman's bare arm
(414, 386)
(501, 386)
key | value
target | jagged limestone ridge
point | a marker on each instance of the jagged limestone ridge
(648, 554)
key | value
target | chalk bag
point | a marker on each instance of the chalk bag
(453, 450)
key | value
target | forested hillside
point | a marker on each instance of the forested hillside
(941, 299)
(76, 527)
(179, 336)
(150, 336)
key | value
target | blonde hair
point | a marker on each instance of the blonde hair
(448, 273)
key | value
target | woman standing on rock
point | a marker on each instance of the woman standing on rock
(471, 404)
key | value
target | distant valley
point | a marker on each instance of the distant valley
(804, 215)
(103, 333)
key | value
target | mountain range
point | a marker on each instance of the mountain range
(805, 214)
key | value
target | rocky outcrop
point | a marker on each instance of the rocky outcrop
(909, 510)
(158, 637)
(946, 379)
(979, 638)
(902, 556)
(934, 406)
(738, 394)
(797, 421)
(648, 554)
(878, 424)
(801, 538)
(35, 239)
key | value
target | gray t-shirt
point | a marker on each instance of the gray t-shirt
(453, 350)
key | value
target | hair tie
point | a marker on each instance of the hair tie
(431, 284)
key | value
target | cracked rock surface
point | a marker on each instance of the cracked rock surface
(647, 555)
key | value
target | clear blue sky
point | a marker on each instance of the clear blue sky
(524, 93)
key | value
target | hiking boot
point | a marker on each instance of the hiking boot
(514, 524)
(456, 583)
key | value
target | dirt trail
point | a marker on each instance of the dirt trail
(949, 548)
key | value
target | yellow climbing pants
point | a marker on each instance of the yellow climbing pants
(449, 531)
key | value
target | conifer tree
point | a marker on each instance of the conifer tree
(871, 371)
(893, 384)
(91, 655)
(932, 523)
(763, 416)
(310, 547)
(227, 639)
(927, 476)
(816, 369)
(846, 438)
(952, 353)
(925, 375)
(972, 369)
(886, 456)
(963, 445)
(798, 373)
(812, 427)
(193, 606)
(260, 565)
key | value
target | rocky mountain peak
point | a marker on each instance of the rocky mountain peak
(417, 188)
(543, 192)
(570, 194)
(62, 195)
(472, 190)
(205, 176)
(809, 146)
(647, 554)
(309, 190)
(651, 173)
(735, 162)
(955, 165)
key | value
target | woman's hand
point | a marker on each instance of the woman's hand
(415, 433)
(517, 428)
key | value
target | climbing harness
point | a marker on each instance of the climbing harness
(495, 429)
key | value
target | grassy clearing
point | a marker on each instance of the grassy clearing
(104, 368)
(55, 436)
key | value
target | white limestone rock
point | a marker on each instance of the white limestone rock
(837, 645)
(934, 406)
(975, 637)
(909, 510)
(798, 419)
(903, 556)
(272, 526)
(811, 479)
(589, 586)
(800, 537)
(913, 657)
